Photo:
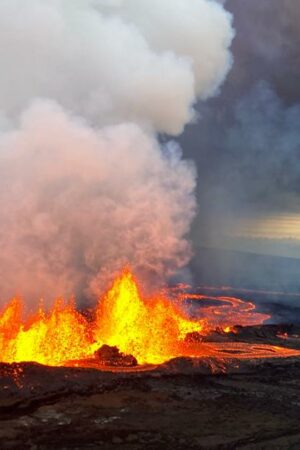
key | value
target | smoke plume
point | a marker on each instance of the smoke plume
(84, 185)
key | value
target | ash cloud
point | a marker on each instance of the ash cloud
(246, 146)
(85, 186)
(258, 166)
(247, 141)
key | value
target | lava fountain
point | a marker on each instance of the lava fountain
(153, 330)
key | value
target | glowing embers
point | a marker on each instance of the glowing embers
(152, 330)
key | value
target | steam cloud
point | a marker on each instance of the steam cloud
(84, 185)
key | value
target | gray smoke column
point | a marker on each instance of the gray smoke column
(84, 185)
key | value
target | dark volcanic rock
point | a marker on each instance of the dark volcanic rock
(217, 335)
(111, 356)
(193, 337)
(267, 331)
(262, 331)
(63, 408)
(283, 335)
(186, 403)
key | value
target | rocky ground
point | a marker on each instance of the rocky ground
(180, 405)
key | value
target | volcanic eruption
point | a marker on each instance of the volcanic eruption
(88, 189)
(153, 330)
(106, 338)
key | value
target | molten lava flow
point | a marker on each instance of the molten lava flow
(150, 330)
(153, 330)
(47, 338)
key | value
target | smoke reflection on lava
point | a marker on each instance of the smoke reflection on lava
(152, 329)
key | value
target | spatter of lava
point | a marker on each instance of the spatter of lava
(151, 329)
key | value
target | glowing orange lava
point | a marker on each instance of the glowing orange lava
(151, 329)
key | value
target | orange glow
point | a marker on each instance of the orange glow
(152, 329)
(47, 338)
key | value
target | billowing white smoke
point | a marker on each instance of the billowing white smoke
(84, 185)
(77, 201)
